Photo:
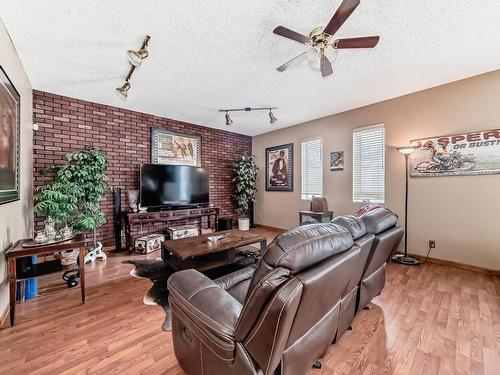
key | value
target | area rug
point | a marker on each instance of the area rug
(158, 272)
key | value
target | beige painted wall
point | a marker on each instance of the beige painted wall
(16, 217)
(461, 213)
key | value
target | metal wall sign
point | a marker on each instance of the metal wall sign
(459, 154)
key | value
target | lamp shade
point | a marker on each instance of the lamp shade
(407, 150)
(123, 90)
(136, 57)
(228, 119)
(272, 117)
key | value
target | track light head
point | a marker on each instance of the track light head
(123, 90)
(272, 117)
(136, 57)
(228, 119)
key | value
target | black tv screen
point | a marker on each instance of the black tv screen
(173, 186)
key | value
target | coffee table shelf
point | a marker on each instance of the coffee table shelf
(201, 254)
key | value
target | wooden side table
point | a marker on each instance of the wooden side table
(319, 216)
(18, 251)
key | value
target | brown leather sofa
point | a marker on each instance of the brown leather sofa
(364, 241)
(277, 318)
(282, 315)
(381, 223)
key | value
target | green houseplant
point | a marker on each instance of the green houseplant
(245, 186)
(88, 170)
(73, 196)
(57, 201)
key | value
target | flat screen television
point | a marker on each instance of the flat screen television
(172, 186)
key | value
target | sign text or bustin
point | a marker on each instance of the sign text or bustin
(459, 154)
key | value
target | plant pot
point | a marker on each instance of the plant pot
(244, 224)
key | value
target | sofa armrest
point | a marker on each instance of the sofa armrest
(205, 302)
(237, 283)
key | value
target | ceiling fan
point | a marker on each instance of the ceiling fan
(320, 39)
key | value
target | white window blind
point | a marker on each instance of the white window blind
(368, 164)
(312, 168)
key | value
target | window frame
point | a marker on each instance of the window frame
(308, 196)
(359, 198)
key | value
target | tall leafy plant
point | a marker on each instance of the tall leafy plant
(87, 169)
(245, 182)
(73, 196)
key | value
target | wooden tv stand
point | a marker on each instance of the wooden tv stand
(138, 218)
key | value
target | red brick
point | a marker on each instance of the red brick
(68, 124)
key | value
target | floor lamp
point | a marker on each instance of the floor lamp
(404, 258)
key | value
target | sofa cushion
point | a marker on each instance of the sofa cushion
(352, 223)
(302, 247)
(379, 220)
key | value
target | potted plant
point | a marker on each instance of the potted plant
(88, 170)
(245, 186)
(73, 197)
(57, 201)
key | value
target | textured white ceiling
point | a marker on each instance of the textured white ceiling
(211, 54)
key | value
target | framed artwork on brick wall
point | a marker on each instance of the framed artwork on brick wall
(10, 111)
(175, 149)
(279, 168)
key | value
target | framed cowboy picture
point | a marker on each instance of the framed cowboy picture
(175, 149)
(279, 168)
(10, 102)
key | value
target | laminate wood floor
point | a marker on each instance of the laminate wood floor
(430, 319)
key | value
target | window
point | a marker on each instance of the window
(312, 168)
(368, 164)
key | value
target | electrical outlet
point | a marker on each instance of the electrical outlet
(432, 244)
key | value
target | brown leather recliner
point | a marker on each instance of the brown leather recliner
(364, 241)
(278, 318)
(382, 223)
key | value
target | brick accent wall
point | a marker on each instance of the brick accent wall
(68, 124)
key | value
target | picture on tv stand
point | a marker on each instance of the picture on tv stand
(173, 186)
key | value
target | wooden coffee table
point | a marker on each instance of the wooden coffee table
(201, 254)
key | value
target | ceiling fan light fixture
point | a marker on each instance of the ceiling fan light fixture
(312, 54)
(123, 90)
(136, 57)
(319, 41)
(272, 117)
(316, 63)
(228, 119)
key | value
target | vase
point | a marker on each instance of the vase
(133, 197)
(50, 229)
(66, 232)
(244, 224)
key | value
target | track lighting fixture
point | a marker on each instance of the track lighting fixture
(272, 118)
(135, 58)
(228, 119)
(123, 90)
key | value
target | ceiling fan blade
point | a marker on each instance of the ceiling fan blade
(341, 15)
(292, 62)
(326, 66)
(290, 34)
(362, 42)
